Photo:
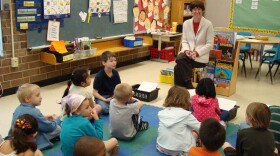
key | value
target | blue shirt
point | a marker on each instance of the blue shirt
(44, 125)
(76, 126)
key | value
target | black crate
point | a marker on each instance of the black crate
(144, 96)
(233, 112)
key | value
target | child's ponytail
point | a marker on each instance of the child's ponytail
(67, 89)
(25, 126)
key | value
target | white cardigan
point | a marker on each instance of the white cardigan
(202, 42)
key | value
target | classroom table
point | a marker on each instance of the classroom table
(165, 37)
(271, 40)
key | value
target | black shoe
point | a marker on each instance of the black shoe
(144, 125)
(55, 139)
(189, 84)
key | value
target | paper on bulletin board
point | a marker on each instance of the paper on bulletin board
(56, 9)
(120, 11)
(53, 30)
(98, 7)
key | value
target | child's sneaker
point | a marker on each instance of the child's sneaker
(144, 125)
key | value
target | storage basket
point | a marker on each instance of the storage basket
(169, 79)
(165, 54)
(133, 43)
(144, 96)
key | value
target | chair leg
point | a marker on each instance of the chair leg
(269, 70)
(258, 70)
(249, 55)
(276, 70)
(243, 67)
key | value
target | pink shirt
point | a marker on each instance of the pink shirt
(205, 108)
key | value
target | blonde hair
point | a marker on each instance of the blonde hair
(258, 114)
(123, 92)
(25, 90)
(177, 97)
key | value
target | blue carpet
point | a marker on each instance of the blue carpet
(144, 143)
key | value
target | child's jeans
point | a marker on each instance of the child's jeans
(105, 105)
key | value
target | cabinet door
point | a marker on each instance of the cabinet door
(177, 11)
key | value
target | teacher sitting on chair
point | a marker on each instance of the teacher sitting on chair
(197, 40)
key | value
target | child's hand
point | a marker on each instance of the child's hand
(55, 117)
(94, 114)
(49, 117)
(109, 99)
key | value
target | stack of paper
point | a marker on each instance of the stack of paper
(147, 86)
(58, 46)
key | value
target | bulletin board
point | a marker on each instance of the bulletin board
(263, 18)
(150, 15)
(74, 27)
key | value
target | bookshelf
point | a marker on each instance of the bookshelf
(223, 63)
(180, 10)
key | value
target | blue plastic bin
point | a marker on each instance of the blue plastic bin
(133, 43)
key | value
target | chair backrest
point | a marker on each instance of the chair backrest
(244, 33)
(277, 54)
(275, 45)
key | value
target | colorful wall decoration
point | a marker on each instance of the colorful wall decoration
(150, 15)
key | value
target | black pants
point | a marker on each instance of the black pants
(183, 70)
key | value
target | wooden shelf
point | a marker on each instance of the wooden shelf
(177, 10)
(113, 45)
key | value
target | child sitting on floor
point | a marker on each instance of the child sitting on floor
(30, 97)
(76, 124)
(80, 78)
(256, 140)
(176, 123)
(212, 136)
(105, 81)
(125, 121)
(205, 104)
(21, 142)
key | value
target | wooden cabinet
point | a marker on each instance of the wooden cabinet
(179, 10)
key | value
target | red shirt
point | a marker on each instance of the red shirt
(195, 27)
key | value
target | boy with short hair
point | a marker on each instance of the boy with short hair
(125, 121)
(29, 97)
(212, 136)
(105, 81)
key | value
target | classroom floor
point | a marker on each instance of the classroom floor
(248, 90)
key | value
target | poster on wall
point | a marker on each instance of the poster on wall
(150, 15)
(100, 7)
(56, 9)
(29, 15)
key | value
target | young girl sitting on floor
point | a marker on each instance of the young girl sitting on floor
(256, 140)
(76, 124)
(80, 78)
(176, 123)
(205, 104)
(21, 142)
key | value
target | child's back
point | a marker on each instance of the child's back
(256, 140)
(205, 104)
(122, 110)
(176, 123)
